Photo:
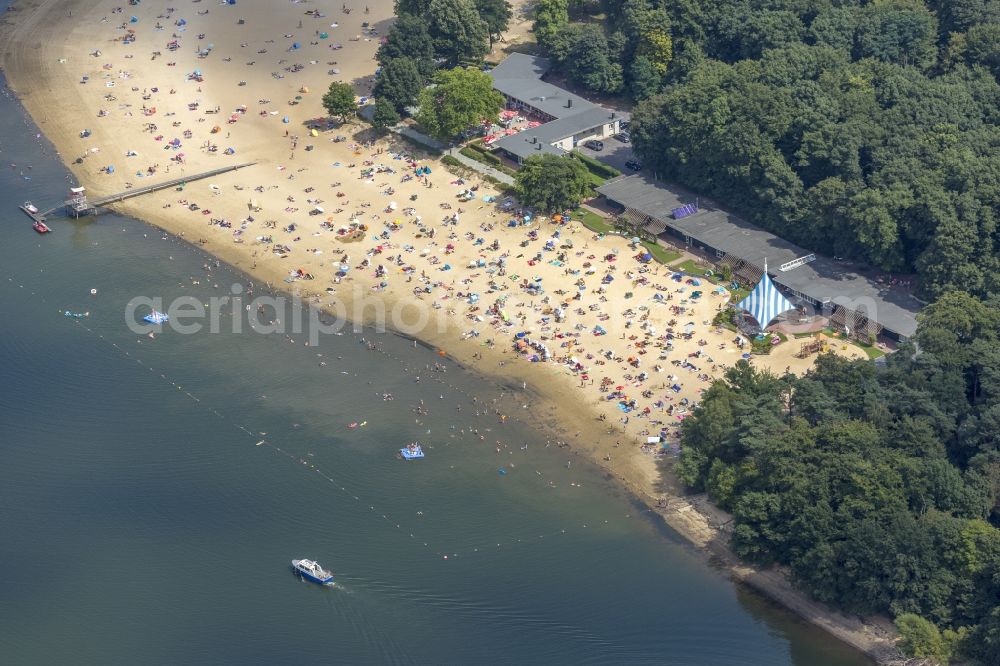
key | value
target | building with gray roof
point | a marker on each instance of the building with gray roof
(848, 294)
(569, 119)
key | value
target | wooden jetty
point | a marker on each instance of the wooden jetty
(79, 205)
(35, 217)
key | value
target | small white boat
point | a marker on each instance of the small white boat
(312, 571)
(31, 208)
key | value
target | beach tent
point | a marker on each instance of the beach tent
(765, 302)
(323, 35)
(285, 120)
(295, 45)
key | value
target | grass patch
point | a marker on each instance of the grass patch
(596, 167)
(593, 221)
(452, 162)
(595, 180)
(872, 352)
(737, 295)
(475, 151)
(661, 254)
(691, 267)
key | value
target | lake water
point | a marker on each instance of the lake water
(143, 523)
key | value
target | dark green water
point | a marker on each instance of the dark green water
(142, 524)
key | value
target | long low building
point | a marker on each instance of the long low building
(842, 291)
(568, 119)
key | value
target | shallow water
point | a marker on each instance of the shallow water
(143, 523)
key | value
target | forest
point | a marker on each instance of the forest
(877, 488)
(865, 130)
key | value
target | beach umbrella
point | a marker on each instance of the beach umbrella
(295, 45)
(134, 19)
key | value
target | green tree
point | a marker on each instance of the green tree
(836, 27)
(648, 31)
(412, 7)
(961, 15)
(982, 46)
(384, 115)
(460, 99)
(497, 14)
(644, 80)
(745, 32)
(584, 53)
(339, 100)
(408, 38)
(458, 32)
(399, 82)
(551, 16)
(901, 32)
(920, 638)
(552, 182)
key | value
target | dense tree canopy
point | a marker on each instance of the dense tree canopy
(867, 130)
(460, 99)
(878, 488)
(408, 39)
(458, 32)
(399, 82)
(384, 115)
(552, 183)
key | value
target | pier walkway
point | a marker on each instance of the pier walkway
(146, 189)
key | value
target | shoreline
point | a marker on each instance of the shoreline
(558, 407)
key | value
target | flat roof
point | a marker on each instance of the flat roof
(520, 145)
(520, 76)
(843, 283)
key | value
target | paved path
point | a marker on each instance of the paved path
(480, 167)
(420, 138)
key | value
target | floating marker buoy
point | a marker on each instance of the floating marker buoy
(93, 292)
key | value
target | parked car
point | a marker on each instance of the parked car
(634, 165)
(624, 125)
(594, 145)
(624, 137)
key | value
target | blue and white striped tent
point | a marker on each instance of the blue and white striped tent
(765, 302)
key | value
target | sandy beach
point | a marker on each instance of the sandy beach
(611, 351)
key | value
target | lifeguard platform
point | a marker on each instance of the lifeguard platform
(77, 204)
